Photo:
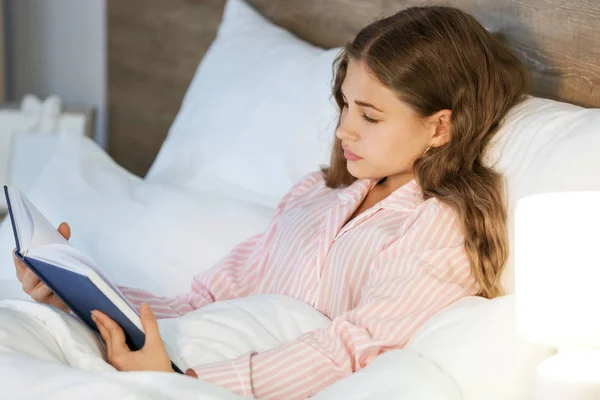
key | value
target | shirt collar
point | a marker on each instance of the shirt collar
(357, 190)
(406, 197)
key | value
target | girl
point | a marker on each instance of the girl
(405, 220)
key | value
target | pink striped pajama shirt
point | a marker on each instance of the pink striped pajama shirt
(377, 277)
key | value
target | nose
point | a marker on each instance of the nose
(346, 130)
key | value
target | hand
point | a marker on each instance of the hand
(152, 357)
(33, 286)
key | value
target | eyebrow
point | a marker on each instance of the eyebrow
(362, 103)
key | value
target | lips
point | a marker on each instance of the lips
(350, 156)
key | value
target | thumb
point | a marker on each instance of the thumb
(150, 325)
(65, 230)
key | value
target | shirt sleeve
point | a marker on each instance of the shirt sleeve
(236, 275)
(408, 282)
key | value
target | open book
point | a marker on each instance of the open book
(73, 277)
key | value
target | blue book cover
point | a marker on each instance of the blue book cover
(68, 273)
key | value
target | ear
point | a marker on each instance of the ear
(441, 133)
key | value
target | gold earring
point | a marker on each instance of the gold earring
(426, 150)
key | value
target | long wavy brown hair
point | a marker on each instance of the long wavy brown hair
(437, 58)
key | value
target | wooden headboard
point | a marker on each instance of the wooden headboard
(154, 47)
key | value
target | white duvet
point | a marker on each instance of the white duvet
(48, 354)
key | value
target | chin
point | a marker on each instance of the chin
(356, 171)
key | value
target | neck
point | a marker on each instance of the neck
(393, 182)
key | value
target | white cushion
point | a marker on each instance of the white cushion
(475, 341)
(545, 146)
(397, 374)
(142, 234)
(257, 116)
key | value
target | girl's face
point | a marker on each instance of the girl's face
(382, 136)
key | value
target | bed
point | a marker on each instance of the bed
(224, 165)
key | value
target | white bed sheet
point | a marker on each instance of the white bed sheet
(47, 353)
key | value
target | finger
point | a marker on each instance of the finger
(20, 268)
(191, 372)
(117, 336)
(105, 335)
(41, 291)
(18, 260)
(29, 282)
(65, 230)
(150, 325)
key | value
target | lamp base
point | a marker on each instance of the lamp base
(572, 374)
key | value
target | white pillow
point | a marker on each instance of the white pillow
(397, 374)
(257, 116)
(142, 234)
(545, 146)
(475, 341)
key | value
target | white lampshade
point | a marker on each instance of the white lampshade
(557, 269)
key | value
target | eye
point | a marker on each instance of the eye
(370, 120)
(364, 116)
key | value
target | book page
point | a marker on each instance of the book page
(43, 241)
(19, 217)
(43, 231)
(68, 257)
(32, 227)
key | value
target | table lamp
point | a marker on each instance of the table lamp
(557, 285)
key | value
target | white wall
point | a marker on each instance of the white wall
(59, 47)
